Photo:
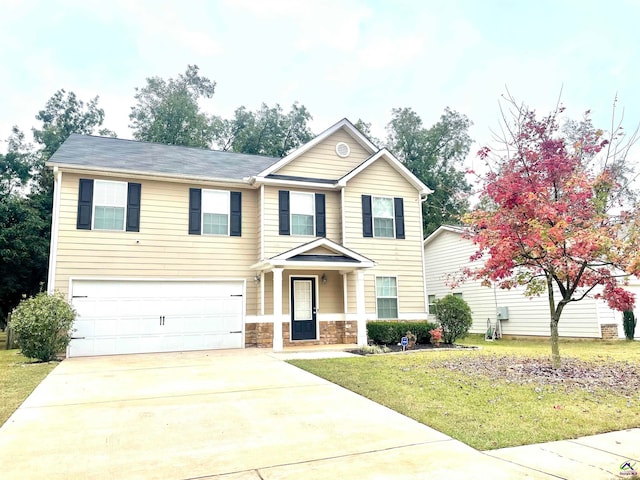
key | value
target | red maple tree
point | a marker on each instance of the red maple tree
(555, 215)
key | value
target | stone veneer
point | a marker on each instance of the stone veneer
(331, 333)
(609, 331)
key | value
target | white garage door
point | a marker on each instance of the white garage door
(117, 317)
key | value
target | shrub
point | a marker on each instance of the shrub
(454, 316)
(436, 336)
(42, 325)
(387, 333)
(629, 324)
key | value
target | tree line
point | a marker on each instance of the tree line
(168, 111)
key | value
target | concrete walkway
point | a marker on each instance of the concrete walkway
(232, 415)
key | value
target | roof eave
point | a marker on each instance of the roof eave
(112, 172)
(295, 183)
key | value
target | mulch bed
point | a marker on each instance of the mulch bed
(574, 374)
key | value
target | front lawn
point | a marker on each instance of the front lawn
(18, 377)
(504, 394)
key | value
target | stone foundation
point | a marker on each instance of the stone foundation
(331, 333)
(609, 331)
(258, 335)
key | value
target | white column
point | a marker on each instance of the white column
(360, 309)
(277, 310)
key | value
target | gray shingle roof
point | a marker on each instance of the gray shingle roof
(119, 154)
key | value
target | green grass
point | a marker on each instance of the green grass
(18, 377)
(489, 412)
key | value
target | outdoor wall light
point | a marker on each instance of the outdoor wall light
(324, 279)
(257, 278)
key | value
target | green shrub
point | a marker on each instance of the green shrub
(42, 325)
(390, 333)
(454, 316)
(629, 324)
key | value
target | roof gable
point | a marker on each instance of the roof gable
(343, 124)
(115, 154)
(395, 163)
(442, 229)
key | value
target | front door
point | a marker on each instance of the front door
(303, 309)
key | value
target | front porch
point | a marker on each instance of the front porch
(311, 295)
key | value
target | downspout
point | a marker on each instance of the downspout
(55, 222)
(421, 200)
(344, 235)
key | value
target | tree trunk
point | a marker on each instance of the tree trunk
(555, 347)
(555, 317)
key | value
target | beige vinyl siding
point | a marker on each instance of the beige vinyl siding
(274, 243)
(321, 251)
(163, 248)
(447, 253)
(393, 257)
(321, 161)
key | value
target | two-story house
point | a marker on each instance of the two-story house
(168, 248)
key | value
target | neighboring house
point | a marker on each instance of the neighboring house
(447, 252)
(167, 248)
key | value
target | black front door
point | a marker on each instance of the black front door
(303, 309)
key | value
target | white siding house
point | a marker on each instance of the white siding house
(446, 252)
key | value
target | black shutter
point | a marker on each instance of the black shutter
(85, 204)
(283, 206)
(195, 211)
(321, 225)
(235, 229)
(398, 205)
(133, 207)
(367, 218)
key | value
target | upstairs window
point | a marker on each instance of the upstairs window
(383, 217)
(109, 205)
(215, 212)
(302, 213)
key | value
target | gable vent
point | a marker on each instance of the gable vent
(342, 149)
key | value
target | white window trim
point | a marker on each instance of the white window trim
(313, 214)
(429, 304)
(397, 297)
(393, 216)
(228, 193)
(95, 204)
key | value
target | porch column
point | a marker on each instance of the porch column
(277, 309)
(360, 309)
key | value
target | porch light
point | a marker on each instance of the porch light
(323, 279)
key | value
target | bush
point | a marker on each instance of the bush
(629, 324)
(454, 316)
(42, 325)
(388, 333)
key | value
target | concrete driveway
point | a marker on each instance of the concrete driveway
(233, 415)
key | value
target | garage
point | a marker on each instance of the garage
(124, 316)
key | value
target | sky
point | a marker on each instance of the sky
(346, 58)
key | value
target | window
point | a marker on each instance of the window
(387, 297)
(458, 294)
(383, 217)
(215, 212)
(431, 299)
(109, 205)
(302, 213)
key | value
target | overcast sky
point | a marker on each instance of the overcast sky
(354, 59)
